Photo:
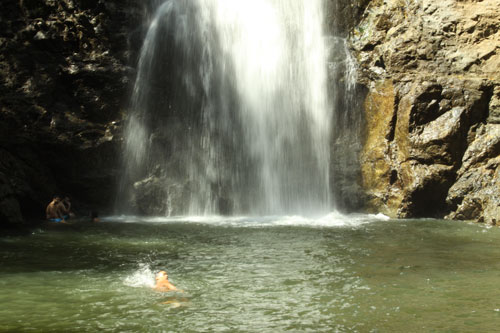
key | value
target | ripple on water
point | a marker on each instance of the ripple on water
(364, 275)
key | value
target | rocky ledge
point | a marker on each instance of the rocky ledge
(432, 129)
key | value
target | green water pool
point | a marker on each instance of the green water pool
(264, 274)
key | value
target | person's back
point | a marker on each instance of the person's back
(53, 211)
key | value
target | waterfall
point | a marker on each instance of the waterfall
(230, 110)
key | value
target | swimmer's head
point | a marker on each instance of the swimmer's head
(161, 275)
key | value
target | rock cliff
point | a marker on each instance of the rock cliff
(431, 143)
(64, 75)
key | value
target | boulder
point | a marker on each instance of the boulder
(158, 195)
(150, 196)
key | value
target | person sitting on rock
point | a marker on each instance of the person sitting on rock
(54, 212)
(162, 283)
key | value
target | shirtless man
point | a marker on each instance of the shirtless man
(162, 283)
(54, 212)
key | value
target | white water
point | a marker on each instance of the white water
(280, 70)
(244, 107)
(330, 220)
(144, 276)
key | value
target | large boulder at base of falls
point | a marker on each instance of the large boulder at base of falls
(160, 196)
(432, 70)
(150, 196)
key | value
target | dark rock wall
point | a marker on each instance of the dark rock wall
(431, 141)
(342, 16)
(346, 99)
(64, 77)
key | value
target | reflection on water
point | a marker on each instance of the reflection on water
(271, 274)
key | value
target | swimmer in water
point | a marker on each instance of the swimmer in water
(162, 283)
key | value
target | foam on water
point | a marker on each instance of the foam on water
(142, 277)
(333, 219)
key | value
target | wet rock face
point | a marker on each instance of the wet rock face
(64, 75)
(343, 15)
(158, 195)
(148, 196)
(476, 195)
(431, 139)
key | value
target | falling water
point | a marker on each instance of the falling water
(230, 111)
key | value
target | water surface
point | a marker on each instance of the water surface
(245, 274)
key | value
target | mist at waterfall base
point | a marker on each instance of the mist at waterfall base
(334, 274)
(231, 111)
